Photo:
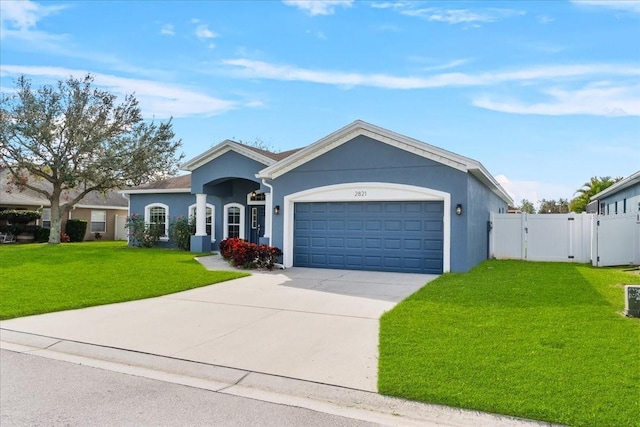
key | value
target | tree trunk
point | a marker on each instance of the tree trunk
(56, 217)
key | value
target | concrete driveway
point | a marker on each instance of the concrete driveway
(310, 324)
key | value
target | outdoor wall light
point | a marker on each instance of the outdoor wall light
(458, 209)
(276, 210)
(254, 194)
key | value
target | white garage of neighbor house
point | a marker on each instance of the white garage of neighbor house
(361, 198)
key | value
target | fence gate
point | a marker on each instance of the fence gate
(552, 237)
(120, 230)
(616, 241)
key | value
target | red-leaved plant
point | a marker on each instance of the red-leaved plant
(241, 253)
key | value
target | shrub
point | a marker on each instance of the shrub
(41, 235)
(241, 253)
(181, 230)
(76, 229)
(20, 216)
(267, 256)
(141, 234)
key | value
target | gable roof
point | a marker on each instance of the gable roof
(13, 197)
(177, 184)
(629, 181)
(411, 145)
(265, 157)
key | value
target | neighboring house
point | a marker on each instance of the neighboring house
(622, 198)
(105, 214)
(360, 198)
(616, 239)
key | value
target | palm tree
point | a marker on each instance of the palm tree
(588, 190)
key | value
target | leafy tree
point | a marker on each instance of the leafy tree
(80, 139)
(589, 189)
(554, 207)
(527, 207)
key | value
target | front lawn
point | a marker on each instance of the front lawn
(41, 278)
(536, 340)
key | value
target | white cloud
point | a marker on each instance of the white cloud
(24, 15)
(318, 7)
(390, 5)
(203, 32)
(160, 100)
(449, 15)
(597, 100)
(19, 19)
(543, 19)
(447, 65)
(632, 6)
(167, 30)
(602, 99)
(264, 70)
(534, 191)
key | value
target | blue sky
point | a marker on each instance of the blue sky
(545, 94)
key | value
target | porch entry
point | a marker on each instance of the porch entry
(256, 223)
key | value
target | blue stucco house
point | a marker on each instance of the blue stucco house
(362, 198)
(622, 198)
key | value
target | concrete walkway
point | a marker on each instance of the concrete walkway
(299, 337)
(309, 324)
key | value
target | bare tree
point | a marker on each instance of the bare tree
(79, 139)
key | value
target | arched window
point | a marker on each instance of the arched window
(211, 222)
(234, 220)
(157, 215)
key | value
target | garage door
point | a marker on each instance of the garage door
(380, 236)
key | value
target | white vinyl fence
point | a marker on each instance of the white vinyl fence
(616, 240)
(601, 240)
(549, 237)
(120, 231)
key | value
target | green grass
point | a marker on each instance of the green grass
(544, 341)
(41, 278)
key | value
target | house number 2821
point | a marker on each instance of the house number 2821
(360, 193)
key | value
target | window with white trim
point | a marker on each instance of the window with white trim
(157, 215)
(46, 218)
(211, 214)
(98, 221)
(234, 221)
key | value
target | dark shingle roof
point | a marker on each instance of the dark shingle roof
(270, 154)
(175, 183)
(11, 196)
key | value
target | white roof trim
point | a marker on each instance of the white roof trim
(402, 142)
(620, 185)
(222, 148)
(156, 191)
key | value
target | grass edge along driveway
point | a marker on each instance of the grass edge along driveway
(536, 340)
(42, 278)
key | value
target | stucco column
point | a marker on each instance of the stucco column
(201, 214)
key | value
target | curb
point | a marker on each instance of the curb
(319, 397)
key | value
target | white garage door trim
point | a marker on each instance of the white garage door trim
(366, 192)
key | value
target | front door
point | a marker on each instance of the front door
(256, 222)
